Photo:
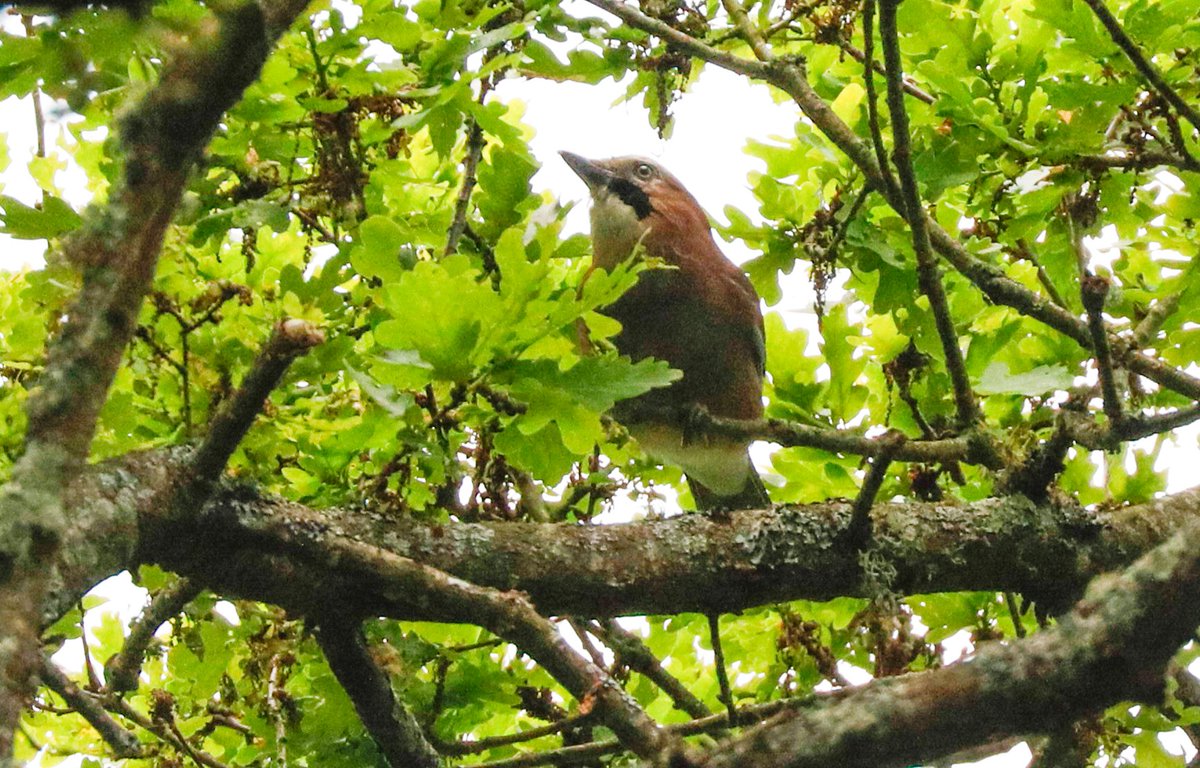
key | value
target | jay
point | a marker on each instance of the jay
(701, 315)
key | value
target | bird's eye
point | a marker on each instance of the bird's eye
(644, 171)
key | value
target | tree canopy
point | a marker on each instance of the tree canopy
(308, 367)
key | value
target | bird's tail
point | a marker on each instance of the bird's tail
(752, 496)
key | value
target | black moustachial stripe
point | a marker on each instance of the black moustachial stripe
(632, 195)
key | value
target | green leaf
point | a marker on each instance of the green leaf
(394, 402)
(998, 379)
(541, 453)
(574, 398)
(52, 219)
(327, 106)
(440, 312)
(384, 251)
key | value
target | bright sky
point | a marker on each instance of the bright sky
(712, 123)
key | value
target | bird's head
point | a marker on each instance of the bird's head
(634, 199)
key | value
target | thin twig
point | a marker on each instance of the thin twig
(395, 731)
(474, 153)
(746, 29)
(88, 667)
(633, 653)
(221, 718)
(885, 168)
(927, 270)
(1143, 65)
(1158, 314)
(859, 529)
(1023, 251)
(145, 335)
(275, 694)
(839, 235)
(714, 633)
(711, 724)
(1094, 290)
(122, 670)
(1135, 158)
(910, 87)
(164, 731)
(290, 339)
(580, 628)
(475, 746)
(123, 742)
(470, 164)
(1178, 142)
(39, 116)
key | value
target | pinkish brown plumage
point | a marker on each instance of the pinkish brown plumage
(702, 316)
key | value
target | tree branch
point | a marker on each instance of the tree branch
(713, 724)
(244, 544)
(124, 743)
(633, 653)
(117, 251)
(1139, 159)
(511, 616)
(746, 29)
(475, 746)
(122, 670)
(1155, 317)
(859, 531)
(714, 634)
(927, 269)
(1094, 291)
(869, 68)
(1114, 646)
(1143, 65)
(164, 729)
(474, 151)
(910, 87)
(976, 448)
(1084, 430)
(395, 731)
(289, 340)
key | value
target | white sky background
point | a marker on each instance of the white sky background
(712, 123)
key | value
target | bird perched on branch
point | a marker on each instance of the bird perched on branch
(701, 315)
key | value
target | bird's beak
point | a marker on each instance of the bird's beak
(593, 174)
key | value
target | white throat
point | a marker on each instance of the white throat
(616, 229)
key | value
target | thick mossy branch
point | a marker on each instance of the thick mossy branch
(247, 544)
(1114, 646)
(117, 252)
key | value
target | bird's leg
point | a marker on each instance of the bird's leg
(709, 504)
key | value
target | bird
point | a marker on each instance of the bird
(700, 314)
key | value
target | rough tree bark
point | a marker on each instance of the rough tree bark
(252, 545)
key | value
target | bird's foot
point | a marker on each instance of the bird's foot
(695, 424)
(722, 513)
